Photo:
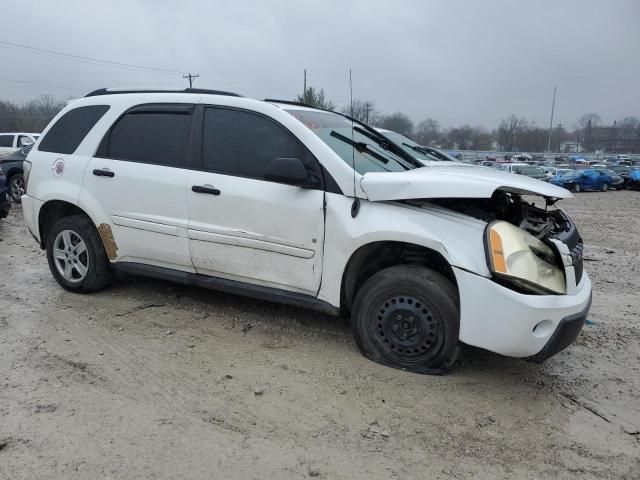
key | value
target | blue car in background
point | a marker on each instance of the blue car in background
(4, 196)
(582, 180)
(634, 179)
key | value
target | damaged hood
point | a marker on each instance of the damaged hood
(453, 180)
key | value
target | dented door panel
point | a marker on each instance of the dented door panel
(257, 231)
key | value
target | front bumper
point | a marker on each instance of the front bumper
(565, 334)
(503, 321)
(4, 208)
(5, 205)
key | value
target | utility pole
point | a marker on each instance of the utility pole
(191, 77)
(553, 105)
(367, 110)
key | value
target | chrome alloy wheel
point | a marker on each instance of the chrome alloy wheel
(70, 256)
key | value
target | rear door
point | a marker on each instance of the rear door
(137, 181)
(243, 227)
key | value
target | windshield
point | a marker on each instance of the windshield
(569, 173)
(418, 151)
(337, 132)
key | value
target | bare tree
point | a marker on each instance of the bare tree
(397, 122)
(509, 130)
(363, 110)
(587, 119)
(428, 131)
(629, 122)
(32, 116)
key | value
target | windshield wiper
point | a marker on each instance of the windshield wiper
(387, 144)
(430, 153)
(417, 148)
(361, 147)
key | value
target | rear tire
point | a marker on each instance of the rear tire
(407, 317)
(605, 187)
(76, 255)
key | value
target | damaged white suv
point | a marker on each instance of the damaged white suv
(288, 203)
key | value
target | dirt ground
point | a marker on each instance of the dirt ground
(149, 379)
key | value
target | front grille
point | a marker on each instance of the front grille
(576, 256)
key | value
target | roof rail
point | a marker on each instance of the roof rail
(290, 102)
(202, 91)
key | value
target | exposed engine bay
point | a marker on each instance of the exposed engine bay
(539, 222)
(543, 223)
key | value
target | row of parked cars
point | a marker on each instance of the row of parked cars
(579, 178)
(14, 148)
(615, 173)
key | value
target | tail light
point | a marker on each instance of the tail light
(26, 170)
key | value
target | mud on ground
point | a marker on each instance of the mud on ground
(149, 379)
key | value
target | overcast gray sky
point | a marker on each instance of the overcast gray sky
(456, 61)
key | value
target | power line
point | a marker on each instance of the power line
(83, 59)
(42, 84)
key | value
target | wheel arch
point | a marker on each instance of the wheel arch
(10, 172)
(373, 257)
(52, 211)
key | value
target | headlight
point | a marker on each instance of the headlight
(521, 258)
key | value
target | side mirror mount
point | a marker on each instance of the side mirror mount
(290, 171)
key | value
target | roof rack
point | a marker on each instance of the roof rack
(202, 91)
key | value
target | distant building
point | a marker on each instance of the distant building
(612, 139)
(570, 147)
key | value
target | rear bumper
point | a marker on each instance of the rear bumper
(31, 210)
(503, 321)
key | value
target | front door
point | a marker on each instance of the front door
(245, 228)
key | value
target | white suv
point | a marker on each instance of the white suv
(261, 198)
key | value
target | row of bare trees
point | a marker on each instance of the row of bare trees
(31, 116)
(513, 134)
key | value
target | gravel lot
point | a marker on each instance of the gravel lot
(154, 380)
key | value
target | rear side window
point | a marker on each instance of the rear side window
(69, 131)
(241, 143)
(6, 140)
(151, 134)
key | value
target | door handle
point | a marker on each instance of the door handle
(104, 172)
(205, 189)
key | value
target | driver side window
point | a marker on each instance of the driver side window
(241, 143)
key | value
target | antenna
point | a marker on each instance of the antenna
(355, 206)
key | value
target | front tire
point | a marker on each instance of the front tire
(577, 188)
(16, 187)
(76, 255)
(407, 317)
(605, 187)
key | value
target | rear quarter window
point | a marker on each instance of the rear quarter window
(70, 129)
